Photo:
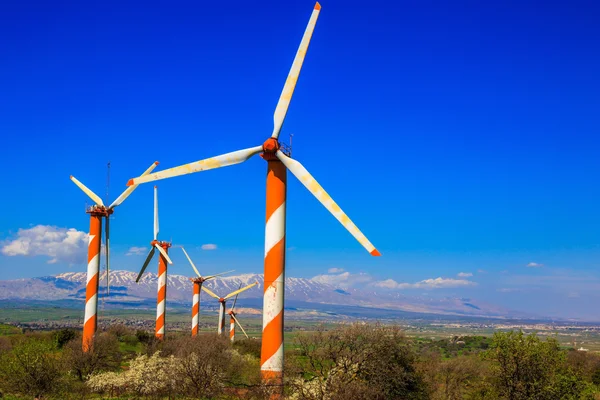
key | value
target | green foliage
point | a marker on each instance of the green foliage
(104, 355)
(32, 368)
(356, 362)
(143, 336)
(248, 346)
(525, 367)
(64, 336)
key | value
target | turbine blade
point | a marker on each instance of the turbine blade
(290, 84)
(317, 190)
(236, 297)
(240, 325)
(210, 293)
(150, 255)
(164, 253)
(224, 160)
(190, 260)
(107, 248)
(215, 275)
(156, 228)
(87, 191)
(240, 290)
(130, 189)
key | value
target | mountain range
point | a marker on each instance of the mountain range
(125, 292)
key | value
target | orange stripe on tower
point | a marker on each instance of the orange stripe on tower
(274, 332)
(90, 321)
(273, 259)
(272, 339)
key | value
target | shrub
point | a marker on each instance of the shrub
(103, 355)
(32, 368)
(355, 362)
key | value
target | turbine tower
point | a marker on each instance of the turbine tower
(233, 320)
(223, 301)
(278, 162)
(163, 249)
(97, 212)
(197, 284)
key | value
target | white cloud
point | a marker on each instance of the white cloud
(136, 251)
(437, 283)
(335, 270)
(209, 246)
(481, 271)
(344, 280)
(66, 245)
(534, 265)
(464, 274)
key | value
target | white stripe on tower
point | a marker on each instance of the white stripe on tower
(195, 311)
(274, 275)
(161, 297)
(90, 323)
(221, 317)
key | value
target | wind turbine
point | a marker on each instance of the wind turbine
(233, 320)
(163, 248)
(278, 162)
(223, 300)
(197, 282)
(97, 212)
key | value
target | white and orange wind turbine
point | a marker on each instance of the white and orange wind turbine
(163, 249)
(278, 162)
(97, 212)
(223, 301)
(233, 320)
(197, 284)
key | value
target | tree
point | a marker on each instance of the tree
(525, 367)
(458, 376)
(64, 336)
(355, 362)
(32, 368)
(103, 355)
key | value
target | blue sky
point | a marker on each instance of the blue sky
(459, 137)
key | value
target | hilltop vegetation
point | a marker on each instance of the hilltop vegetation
(349, 362)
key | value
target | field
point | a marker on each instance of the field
(39, 316)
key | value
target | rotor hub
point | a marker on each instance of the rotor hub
(270, 147)
(164, 245)
(99, 211)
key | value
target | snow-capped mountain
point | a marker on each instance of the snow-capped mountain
(124, 290)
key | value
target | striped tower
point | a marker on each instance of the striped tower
(90, 323)
(196, 305)
(162, 293)
(221, 316)
(271, 357)
(231, 328)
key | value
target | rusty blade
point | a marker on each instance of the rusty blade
(290, 83)
(130, 189)
(87, 191)
(317, 190)
(224, 160)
